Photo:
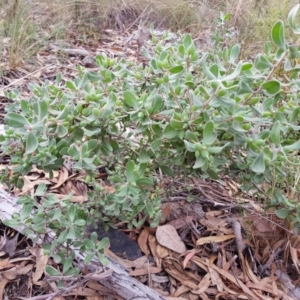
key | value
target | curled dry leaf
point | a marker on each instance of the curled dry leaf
(168, 237)
(188, 257)
(143, 242)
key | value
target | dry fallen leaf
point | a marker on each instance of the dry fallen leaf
(41, 262)
(181, 222)
(13, 273)
(3, 283)
(188, 257)
(214, 239)
(143, 242)
(167, 236)
(10, 244)
(145, 271)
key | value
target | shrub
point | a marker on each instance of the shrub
(187, 113)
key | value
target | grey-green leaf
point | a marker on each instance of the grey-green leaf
(262, 63)
(275, 133)
(130, 99)
(292, 17)
(130, 171)
(145, 181)
(103, 243)
(258, 166)
(208, 136)
(63, 114)
(42, 109)
(15, 120)
(31, 143)
(282, 213)
(234, 53)
(292, 147)
(51, 271)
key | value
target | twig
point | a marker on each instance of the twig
(84, 279)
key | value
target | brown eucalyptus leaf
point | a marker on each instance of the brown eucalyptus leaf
(168, 237)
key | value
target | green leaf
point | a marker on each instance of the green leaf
(216, 150)
(292, 147)
(94, 237)
(145, 181)
(187, 41)
(71, 85)
(73, 151)
(103, 243)
(166, 170)
(51, 271)
(130, 99)
(278, 35)
(208, 136)
(103, 259)
(42, 109)
(212, 174)
(71, 212)
(11, 222)
(89, 245)
(61, 131)
(234, 53)
(191, 136)
(31, 143)
(189, 146)
(15, 120)
(26, 211)
(88, 258)
(80, 222)
(130, 171)
(157, 104)
(155, 145)
(262, 63)
(271, 87)
(67, 264)
(92, 144)
(200, 162)
(71, 234)
(41, 189)
(176, 70)
(275, 133)
(63, 114)
(243, 88)
(144, 156)
(282, 213)
(258, 165)
(292, 17)
(176, 124)
(72, 272)
(234, 74)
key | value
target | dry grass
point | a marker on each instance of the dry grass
(28, 22)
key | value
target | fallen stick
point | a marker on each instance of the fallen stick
(119, 281)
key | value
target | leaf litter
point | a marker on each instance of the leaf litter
(205, 249)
